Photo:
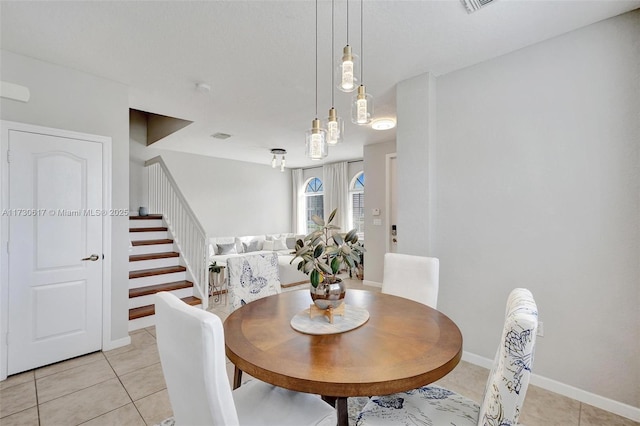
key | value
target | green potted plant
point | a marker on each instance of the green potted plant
(323, 253)
(213, 267)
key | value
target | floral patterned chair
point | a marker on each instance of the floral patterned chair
(252, 277)
(504, 393)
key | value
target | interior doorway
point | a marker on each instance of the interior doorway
(53, 224)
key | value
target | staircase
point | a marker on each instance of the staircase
(154, 265)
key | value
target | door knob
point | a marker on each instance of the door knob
(92, 258)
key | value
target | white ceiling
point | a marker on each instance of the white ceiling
(258, 57)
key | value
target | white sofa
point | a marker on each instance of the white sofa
(222, 248)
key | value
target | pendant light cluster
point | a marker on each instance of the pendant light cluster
(348, 74)
(274, 160)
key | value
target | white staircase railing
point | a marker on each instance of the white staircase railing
(189, 235)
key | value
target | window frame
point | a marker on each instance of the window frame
(353, 190)
(319, 192)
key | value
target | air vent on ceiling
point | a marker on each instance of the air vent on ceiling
(221, 135)
(473, 5)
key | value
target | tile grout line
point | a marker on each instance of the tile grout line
(125, 389)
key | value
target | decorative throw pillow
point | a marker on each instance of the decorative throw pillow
(252, 246)
(279, 244)
(227, 248)
(268, 245)
(291, 243)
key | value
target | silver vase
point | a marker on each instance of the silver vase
(328, 294)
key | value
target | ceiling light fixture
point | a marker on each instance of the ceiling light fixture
(362, 105)
(278, 151)
(347, 70)
(383, 124)
(335, 125)
(221, 136)
(316, 137)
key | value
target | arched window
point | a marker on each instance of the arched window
(356, 191)
(313, 192)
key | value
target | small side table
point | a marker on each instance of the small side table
(218, 285)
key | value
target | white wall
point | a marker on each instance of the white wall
(67, 99)
(415, 142)
(375, 236)
(538, 176)
(230, 198)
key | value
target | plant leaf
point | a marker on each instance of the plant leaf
(309, 267)
(335, 265)
(317, 220)
(349, 261)
(326, 268)
(317, 252)
(350, 235)
(338, 239)
(315, 278)
(332, 215)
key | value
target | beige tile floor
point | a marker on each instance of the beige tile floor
(126, 387)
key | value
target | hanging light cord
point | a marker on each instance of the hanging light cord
(332, 54)
(361, 41)
(316, 58)
(347, 22)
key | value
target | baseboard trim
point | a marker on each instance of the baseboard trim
(113, 344)
(569, 391)
(371, 283)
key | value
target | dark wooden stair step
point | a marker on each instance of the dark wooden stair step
(151, 242)
(156, 271)
(153, 289)
(156, 229)
(152, 256)
(147, 310)
(149, 217)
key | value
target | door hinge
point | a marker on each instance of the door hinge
(7, 246)
(6, 340)
(8, 156)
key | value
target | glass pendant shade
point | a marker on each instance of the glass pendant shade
(282, 164)
(273, 161)
(316, 141)
(335, 127)
(347, 70)
(362, 107)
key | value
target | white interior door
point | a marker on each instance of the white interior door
(55, 209)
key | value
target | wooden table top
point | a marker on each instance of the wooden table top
(403, 346)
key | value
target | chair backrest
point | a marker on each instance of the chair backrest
(191, 346)
(509, 378)
(411, 277)
(252, 277)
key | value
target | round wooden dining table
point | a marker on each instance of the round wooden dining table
(403, 345)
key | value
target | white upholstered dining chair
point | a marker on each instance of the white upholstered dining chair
(411, 277)
(504, 392)
(191, 346)
(252, 277)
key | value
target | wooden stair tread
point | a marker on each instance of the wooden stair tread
(151, 242)
(152, 289)
(156, 271)
(151, 256)
(147, 310)
(156, 229)
(149, 217)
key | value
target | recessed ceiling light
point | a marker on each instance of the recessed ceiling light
(221, 135)
(383, 124)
